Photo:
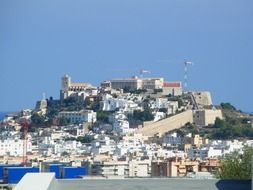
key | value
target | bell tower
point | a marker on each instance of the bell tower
(65, 84)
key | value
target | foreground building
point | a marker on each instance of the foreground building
(133, 168)
(174, 168)
(47, 181)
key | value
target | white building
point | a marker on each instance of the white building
(120, 122)
(134, 83)
(113, 168)
(134, 168)
(121, 126)
(197, 153)
(14, 147)
(131, 144)
(110, 103)
(216, 149)
(172, 88)
(159, 115)
(70, 147)
(58, 135)
(159, 103)
(140, 168)
(152, 83)
(214, 152)
(103, 145)
(172, 139)
(76, 130)
(79, 116)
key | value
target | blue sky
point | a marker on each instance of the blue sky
(97, 40)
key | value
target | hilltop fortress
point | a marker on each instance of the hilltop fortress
(197, 109)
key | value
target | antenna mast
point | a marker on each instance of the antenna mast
(186, 63)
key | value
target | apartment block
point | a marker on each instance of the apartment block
(79, 116)
(174, 167)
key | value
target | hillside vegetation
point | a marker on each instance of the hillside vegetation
(234, 125)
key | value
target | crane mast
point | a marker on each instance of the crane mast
(25, 127)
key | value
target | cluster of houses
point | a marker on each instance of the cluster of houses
(116, 148)
(130, 156)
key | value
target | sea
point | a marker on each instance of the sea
(2, 114)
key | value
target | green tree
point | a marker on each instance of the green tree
(127, 89)
(52, 112)
(164, 110)
(103, 116)
(230, 128)
(236, 165)
(158, 91)
(95, 106)
(65, 154)
(176, 98)
(85, 139)
(219, 123)
(37, 119)
(145, 115)
(192, 128)
(73, 103)
(139, 91)
(180, 102)
(70, 139)
(227, 106)
(63, 121)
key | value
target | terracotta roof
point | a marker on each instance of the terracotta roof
(172, 84)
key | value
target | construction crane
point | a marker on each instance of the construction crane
(25, 132)
(186, 63)
(142, 72)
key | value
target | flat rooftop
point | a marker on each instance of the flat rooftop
(47, 181)
(151, 184)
